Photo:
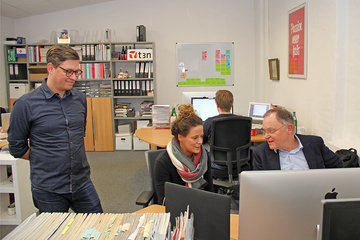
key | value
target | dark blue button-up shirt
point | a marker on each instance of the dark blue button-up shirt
(55, 128)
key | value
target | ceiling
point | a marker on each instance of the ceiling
(26, 8)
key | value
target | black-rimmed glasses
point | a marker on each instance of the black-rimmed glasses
(70, 72)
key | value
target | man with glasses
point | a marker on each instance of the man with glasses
(53, 118)
(286, 150)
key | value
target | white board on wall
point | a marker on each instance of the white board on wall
(205, 64)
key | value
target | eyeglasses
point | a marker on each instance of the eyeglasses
(271, 132)
(70, 72)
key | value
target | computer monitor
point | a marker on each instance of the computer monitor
(5, 121)
(205, 107)
(340, 219)
(283, 204)
(257, 110)
(211, 210)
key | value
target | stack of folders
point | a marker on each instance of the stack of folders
(121, 109)
(184, 228)
(144, 70)
(94, 226)
(161, 116)
(133, 87)
(146, 108)
(37, 53)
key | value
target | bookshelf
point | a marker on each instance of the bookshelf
(19, 187)
(106, 74)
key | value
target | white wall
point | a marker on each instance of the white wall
(326, 102)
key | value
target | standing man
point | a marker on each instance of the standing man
(53, 119)
(286, 150)
(224, 101)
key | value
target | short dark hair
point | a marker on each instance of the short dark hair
(224, 100)
(60, 53)
(186, 120)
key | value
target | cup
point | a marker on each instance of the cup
(254, 132)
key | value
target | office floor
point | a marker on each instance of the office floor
(119, 177)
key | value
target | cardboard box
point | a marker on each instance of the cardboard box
(17, 90)
(139, 144)
(124, 128)
(123, 141)
(37, 72)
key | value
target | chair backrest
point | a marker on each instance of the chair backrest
(230, 142)
(150, 157)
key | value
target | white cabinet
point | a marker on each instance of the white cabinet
(20, 187)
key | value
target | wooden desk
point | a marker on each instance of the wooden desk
(3, 141)
(161, 137)
(234, 218)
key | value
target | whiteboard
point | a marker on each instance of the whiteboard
(200, 64)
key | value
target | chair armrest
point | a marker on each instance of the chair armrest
(223, 184)
(144, 198)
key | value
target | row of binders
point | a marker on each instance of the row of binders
(144, 70)
(99, 52)
(95, 70)
(17, 71)
(133, 87)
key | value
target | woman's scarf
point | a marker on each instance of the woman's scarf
(192, 170)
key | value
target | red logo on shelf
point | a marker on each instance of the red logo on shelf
(132, 54)
(140, 54)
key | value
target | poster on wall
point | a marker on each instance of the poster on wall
(205, 64)
(297, 26)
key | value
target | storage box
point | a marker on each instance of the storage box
(141, 123)
(139, 144)
(123, 141)
(124, 128)
(17, 90)
(37, 72)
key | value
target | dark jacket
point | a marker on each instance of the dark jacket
(316, 153)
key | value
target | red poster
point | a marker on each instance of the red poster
(297, 42)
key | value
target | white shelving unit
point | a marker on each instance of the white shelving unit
(20, 187)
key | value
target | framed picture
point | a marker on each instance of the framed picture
(297, 27)
(63, 35)
(274, 69)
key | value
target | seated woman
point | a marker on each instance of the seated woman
(185, 160)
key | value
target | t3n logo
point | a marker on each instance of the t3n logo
(139, 54)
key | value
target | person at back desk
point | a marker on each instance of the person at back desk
(286, 150)
(224, 101)
(185, 160)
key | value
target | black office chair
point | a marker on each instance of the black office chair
(150, 197)
(230, 148)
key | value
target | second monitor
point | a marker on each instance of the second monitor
(205, 107)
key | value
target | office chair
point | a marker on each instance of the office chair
(149, 196)
(230, 148)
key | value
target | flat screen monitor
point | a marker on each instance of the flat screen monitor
(283, 204)
(205, 107)
(5, 120)
(340, 219)
(257, 110)
(211, 210)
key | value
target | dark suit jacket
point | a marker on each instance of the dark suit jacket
(316, 153)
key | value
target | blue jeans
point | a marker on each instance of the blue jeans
(84, 200)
